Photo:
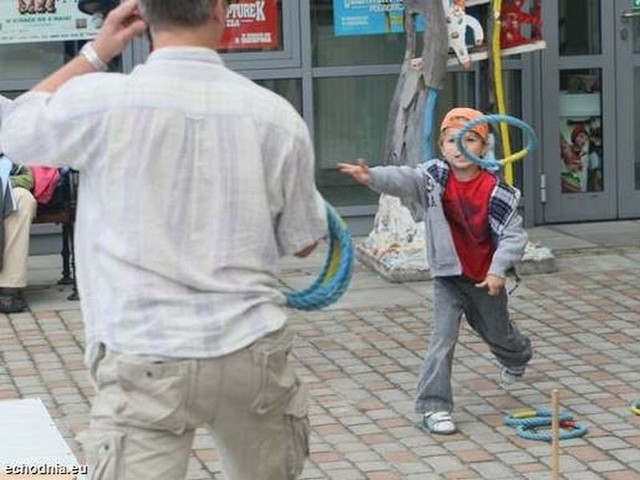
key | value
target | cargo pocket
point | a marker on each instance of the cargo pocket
(297, 421)
(103, 454)
(154, 393)
(277, 379)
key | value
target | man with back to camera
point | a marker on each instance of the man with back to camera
(194, 182)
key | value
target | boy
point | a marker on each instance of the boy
(474, 237)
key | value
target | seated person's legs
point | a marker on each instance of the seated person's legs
(13, 275)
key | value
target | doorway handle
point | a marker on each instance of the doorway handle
(630, 14)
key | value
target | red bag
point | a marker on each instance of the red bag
(45, 179)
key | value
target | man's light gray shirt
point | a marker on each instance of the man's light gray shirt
(194, 181)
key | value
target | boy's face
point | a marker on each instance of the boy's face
(472, 142)
(581, 139)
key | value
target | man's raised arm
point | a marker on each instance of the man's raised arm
(121, 25)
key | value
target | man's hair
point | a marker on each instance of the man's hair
(178, 13)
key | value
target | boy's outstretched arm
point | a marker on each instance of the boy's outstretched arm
(398, 181)
(360, 171)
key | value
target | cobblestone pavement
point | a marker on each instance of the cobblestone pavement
(361, 359)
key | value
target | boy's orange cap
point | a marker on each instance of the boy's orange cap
(459, 117)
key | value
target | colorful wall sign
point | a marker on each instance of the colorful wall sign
(367, 17)
(370, 17)
(252, 25)
(23, 21)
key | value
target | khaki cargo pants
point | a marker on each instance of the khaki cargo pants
(147, 408)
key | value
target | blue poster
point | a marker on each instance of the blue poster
(367, 17)
(370, 17)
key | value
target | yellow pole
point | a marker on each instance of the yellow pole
(499, 87)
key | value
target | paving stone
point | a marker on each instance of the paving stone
(361, 360)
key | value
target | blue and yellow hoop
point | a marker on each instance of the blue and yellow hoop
(529, 425)
(336, 272)
(489, 162)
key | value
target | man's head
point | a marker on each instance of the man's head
(176, 13)
(186, 16)
(475, 140)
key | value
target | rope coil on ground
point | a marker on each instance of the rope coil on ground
(336, 272)
(489, 162)
(528, 425)
(635, 407)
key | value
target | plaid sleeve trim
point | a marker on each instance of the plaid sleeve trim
(438, 170)
(503, 204)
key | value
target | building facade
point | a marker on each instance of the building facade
(581, 94)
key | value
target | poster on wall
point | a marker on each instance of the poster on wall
(252, 25)
(581, 147)
(367, 17)
(23, 21)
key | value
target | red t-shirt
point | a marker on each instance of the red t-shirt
(466, 207)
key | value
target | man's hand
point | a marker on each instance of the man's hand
(121, 25)
(305, 252)
(494, 283)
(359, 172)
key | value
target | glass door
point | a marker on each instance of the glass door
(628, 102)
(578, 112)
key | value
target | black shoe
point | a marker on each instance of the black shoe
(12, 304)
(10, 292)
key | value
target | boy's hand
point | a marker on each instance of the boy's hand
(359, 172)
(494, 283)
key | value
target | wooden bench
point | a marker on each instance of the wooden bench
(61, 210)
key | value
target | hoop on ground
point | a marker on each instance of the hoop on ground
(490, 162)
(336, 272)
(528, 425)
(569, 429)
(533, 418)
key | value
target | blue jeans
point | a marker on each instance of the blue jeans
(487, 315)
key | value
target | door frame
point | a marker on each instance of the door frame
(628, 131)
(556, 206)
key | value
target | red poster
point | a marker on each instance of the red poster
(252, 25)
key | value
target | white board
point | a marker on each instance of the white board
(28, 436)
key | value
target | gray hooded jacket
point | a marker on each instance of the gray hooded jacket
(426, 184)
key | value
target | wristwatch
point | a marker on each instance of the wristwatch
(90, 54)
